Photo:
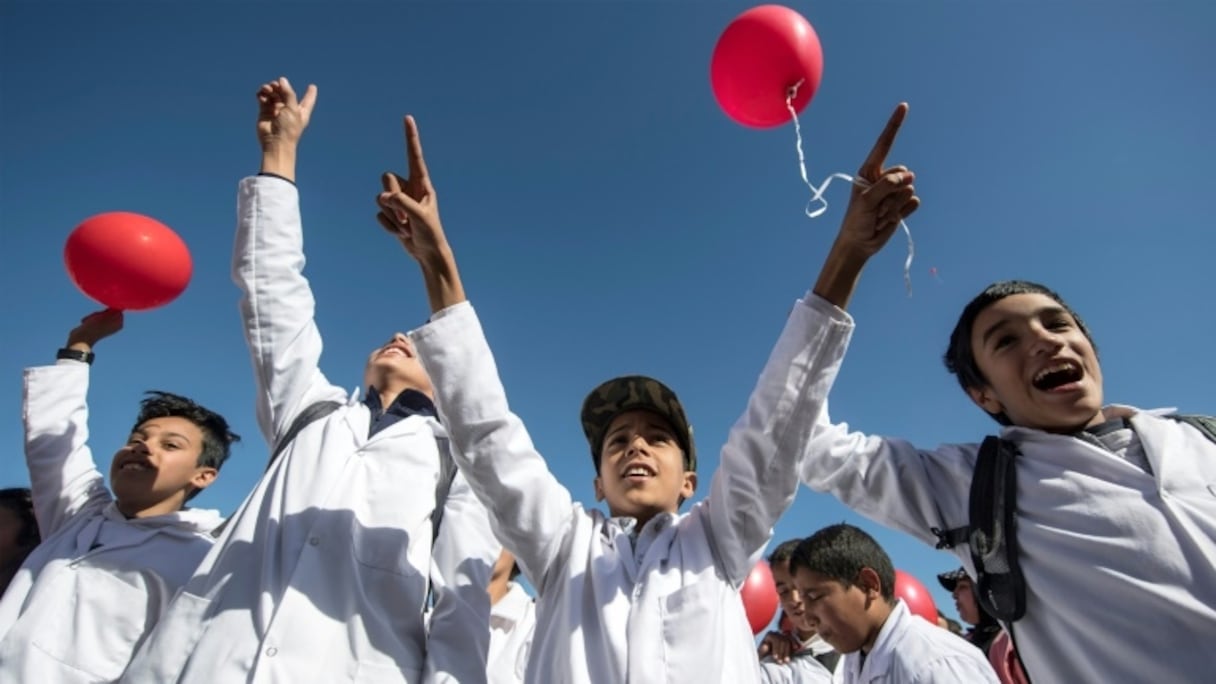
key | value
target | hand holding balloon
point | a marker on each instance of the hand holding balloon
(93, 328)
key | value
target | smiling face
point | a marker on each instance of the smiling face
(158, 467)
(642, 467)
(1039, 368)
(394, 367)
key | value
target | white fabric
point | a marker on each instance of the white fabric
(608, 613)
(322, 574)
(97, 584)
(1106, 548)
(512, 623)
(911, 650)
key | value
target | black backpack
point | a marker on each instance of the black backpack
(991, 532)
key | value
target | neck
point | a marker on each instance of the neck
(133, 510)
(498, 589)
(804, 634)
(882, 613)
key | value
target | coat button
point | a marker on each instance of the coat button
(271, 652)
(313, 541)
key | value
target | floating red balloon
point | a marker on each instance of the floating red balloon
(127, 261)
(915, 596)
(759, 594)
(761, 55)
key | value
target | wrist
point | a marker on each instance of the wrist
(279, 159)
(74, 353)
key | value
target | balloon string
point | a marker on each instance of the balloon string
(817, 192)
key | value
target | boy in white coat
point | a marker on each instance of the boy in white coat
(1116, 511)
(324, 573)
(847, 583)
(108, 563)
(512, 624)
(642, 594)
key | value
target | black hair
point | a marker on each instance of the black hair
(217, 437)
(840, 552)
(960, 357)
(514, 571)
(784, 551)
(20, 501)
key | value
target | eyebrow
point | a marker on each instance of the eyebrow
(144, 433)
(1049, 310)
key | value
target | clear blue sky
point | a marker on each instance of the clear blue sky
(608, 217)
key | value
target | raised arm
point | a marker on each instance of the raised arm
(530, 510)
(758, 474)
(277, 305)
(64, 479)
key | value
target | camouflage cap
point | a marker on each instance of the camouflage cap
(627, 393)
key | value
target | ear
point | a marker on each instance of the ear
(868, 581)
(690, 485)
(203, 477)
(599, 488)
(986, 399)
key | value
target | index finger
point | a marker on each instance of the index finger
(872, 167)
(413, 149)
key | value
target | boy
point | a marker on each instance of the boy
(642, 594)
(1115, 506)
(799, 656)
(512, 621)
(108, 564)
(848, 586)
(324, 573)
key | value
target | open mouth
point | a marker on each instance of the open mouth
(135, 466)
(1061, 375)
(638, 472)
(392, 351)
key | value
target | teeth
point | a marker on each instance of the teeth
(637, 470)
(1056, 368)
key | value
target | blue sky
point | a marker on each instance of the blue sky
(608, 217)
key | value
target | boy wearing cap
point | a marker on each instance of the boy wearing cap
(642, 594)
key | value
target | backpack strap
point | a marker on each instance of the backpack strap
(313, 413)
(1000, 586)
(1204, 424)
(447, 475)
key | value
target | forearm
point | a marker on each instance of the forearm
(840, 273)
(442, 278)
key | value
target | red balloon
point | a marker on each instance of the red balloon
(759, 594)
(915, 596)
(127, 261)
(761, 55)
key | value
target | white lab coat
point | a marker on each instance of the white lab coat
(512, 622)
(611, 608)
(912, 650)
(93, 590)
(1118, 563)
(802, 667)
(322, 574)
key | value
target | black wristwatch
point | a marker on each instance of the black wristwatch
(76, 355)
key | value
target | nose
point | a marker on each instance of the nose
(1045, 341)
(139, 446)
(637, 445)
